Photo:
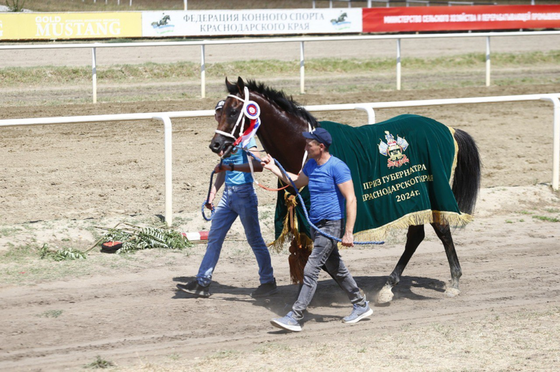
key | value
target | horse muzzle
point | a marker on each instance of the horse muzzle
(221, 146)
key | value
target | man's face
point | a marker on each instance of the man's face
(313, 148)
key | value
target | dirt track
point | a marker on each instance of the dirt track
(59, 182)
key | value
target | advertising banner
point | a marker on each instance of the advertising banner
(461, 18)
(251, 22)
(60, 26)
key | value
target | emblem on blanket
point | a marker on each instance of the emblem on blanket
(394, 150)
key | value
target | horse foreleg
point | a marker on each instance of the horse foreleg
(444, 234)
(414, 237)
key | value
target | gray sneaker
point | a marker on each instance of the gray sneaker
(195, 289)
(288, 323)
(358, 313)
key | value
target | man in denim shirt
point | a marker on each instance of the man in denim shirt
(331, 192)
(238, 199)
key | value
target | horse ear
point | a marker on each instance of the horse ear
(232, 89)
(240, 84)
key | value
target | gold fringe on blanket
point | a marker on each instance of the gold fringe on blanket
(301, 245)
(416, 218)
(456, 145)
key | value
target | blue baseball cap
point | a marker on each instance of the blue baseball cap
(320, 135)
(220, 105)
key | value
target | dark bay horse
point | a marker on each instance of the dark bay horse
(283, 121)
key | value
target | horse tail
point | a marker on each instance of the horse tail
(466, 181)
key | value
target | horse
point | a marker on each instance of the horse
(282, 122)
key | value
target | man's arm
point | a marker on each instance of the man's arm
(347, 190)
(257, 166)
(299, 180)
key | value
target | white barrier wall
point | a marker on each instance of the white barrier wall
(165, 117)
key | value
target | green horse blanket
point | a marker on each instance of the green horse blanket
(402, 171)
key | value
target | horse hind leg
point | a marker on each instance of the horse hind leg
(444, 234)
(414, 237)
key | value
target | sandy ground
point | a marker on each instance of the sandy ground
(59, 183)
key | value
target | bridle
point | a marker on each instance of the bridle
(249, 110)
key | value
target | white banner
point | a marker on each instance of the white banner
(251, 22)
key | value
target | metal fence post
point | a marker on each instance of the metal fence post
(487, 61)
(555, 143)
(301, 67)
(202, 72)
(398, 64)
(168, 149)
(94, 73)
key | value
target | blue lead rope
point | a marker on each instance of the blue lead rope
(305, 210)
(207, 196)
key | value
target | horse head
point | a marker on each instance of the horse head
(282, 122)
(232, 119)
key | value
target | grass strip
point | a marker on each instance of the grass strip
(35, 76)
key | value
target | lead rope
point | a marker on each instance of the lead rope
(305, 210)
(213, 210)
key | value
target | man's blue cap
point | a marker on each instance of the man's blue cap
(220, 105)
(320, 135)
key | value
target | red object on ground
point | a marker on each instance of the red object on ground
(201, 235)
(112, 245)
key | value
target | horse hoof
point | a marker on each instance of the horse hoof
(384, 296)
(452, 292)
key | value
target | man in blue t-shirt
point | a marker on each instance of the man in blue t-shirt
(332, 194)
(238, 199)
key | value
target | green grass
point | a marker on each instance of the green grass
(9, 231)
(100, 363)
(546, 218)
(51, 313)
(19, 254)
(185, 71)
(22, 264)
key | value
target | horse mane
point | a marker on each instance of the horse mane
(279, 98)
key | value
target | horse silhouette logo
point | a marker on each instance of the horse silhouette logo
(341, 23)
(394, 150)
(163, 26)
(340, 19)
(162, 22)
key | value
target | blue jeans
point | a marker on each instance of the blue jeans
(236, 201)
(325, 256)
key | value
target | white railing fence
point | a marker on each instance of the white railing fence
(300, 40)
(166, 117)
